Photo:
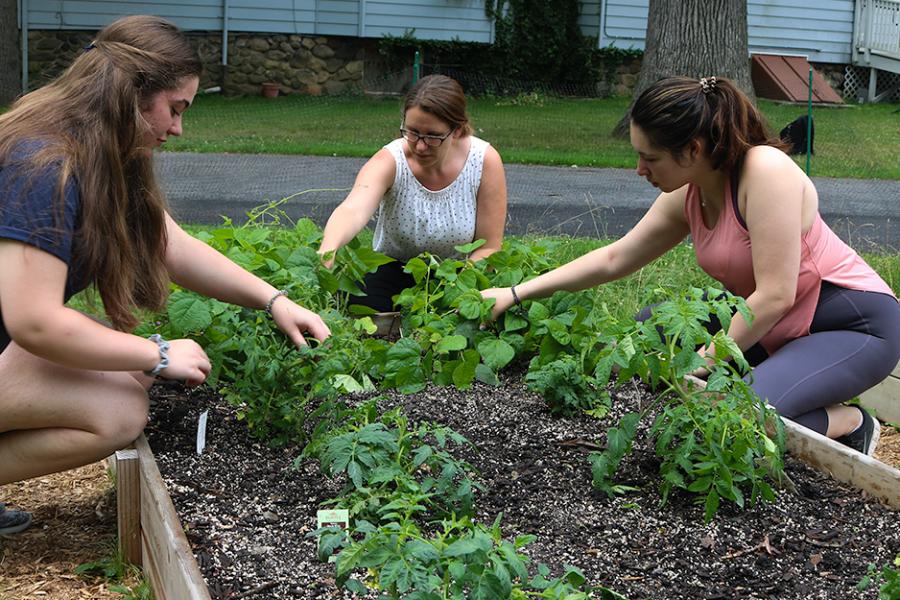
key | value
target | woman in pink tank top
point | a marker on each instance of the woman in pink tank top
(826, 327)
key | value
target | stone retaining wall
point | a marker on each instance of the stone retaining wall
(297, 64)
(833, 74)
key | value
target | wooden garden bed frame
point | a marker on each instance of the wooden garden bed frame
(151, 535)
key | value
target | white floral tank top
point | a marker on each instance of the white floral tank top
(413, 219)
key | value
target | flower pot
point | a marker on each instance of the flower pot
(270, 90)
(388, 324)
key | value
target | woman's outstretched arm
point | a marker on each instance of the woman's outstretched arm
(32, 285)
(661, 229)
(196, 266)
(357, 209)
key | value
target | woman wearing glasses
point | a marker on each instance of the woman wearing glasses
(435, 187)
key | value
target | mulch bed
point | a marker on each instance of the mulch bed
(247, 511)
(74, 522)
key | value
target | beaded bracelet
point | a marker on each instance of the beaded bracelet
(273, 298)
(163, 355)
(515, 296)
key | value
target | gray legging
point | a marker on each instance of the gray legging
(853, 343)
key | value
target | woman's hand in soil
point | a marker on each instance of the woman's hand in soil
(504, 299)
(187, 362)
(294, 320)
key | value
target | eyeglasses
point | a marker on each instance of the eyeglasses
(430, 140)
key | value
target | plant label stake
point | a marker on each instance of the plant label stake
(201, 431)
(333, 518)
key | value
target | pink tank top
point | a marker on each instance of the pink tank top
(724, 253)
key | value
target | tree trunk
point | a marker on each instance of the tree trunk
(10, 72)
(694, 38)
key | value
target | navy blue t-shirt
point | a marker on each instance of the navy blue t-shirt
(29, 213)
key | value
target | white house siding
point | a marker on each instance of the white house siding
(272, 16)
(338, 17)
(822, 31)
(436, 19)
(94, 14)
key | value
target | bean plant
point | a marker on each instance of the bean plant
(392, 467)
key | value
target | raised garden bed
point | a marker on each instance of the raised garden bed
(247, 511)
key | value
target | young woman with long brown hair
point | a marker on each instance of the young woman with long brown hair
(826, 327)
(435, 187)
(80, 207)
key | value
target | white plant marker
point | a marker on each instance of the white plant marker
(201, 431)
(333, 518)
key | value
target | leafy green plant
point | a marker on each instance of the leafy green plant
(410, 494)
(120, 574)
(392, 467)
(461, 560)
(573, 343)
(443, 311)
(564, 385)
(542, 40)
(887, 580)
(258, 370)
(715, 442)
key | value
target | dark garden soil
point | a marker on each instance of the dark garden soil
(247, 511)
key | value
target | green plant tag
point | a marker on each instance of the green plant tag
(332, 518)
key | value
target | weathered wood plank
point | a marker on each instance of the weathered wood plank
(884, 399)
(168, 560)
(128, 504)
(844, 464)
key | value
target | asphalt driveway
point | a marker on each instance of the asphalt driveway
(202, 188)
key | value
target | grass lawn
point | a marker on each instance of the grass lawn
(677, 270)
(856, 141)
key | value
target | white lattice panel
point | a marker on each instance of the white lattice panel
(856, 83)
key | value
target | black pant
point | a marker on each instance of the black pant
(381, 286)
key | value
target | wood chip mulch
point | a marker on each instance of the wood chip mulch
(74, 522)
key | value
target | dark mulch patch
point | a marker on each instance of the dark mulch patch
(247, 511)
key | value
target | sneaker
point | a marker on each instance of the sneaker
(865, 438)
(13, 521)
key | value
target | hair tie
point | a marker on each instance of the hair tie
(90, 46)
(708, 84)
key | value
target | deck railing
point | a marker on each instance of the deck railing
(876, 40)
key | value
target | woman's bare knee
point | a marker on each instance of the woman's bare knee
(126, 423)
